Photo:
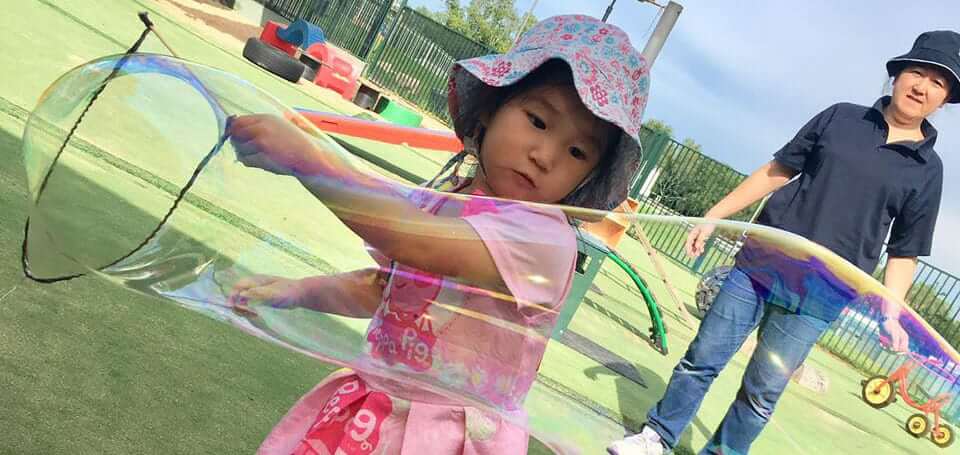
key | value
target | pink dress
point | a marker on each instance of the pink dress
(488, 348)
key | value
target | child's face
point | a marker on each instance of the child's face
(541, 145)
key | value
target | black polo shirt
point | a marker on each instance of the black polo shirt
(853, 185)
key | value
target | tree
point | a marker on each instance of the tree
(689, 182)
(491, 22)
(680, 186)
(932, 305)
(693, 145)
(659, 126)
(427, 12)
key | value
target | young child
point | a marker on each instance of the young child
(462, 282)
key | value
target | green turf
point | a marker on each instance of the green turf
(87, 367)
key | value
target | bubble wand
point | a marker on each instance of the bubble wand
(149, 27)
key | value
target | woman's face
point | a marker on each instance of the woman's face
(919, 90)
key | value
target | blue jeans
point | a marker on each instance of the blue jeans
(785, 340)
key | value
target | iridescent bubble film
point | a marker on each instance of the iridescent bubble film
(145, 188)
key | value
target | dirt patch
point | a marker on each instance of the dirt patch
(238, 30)
(215, 3)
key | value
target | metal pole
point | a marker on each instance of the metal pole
(670, 14)
(609, 10)
(373, 60)
(523, 21)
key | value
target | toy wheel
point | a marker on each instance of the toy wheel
(273, 60)
(918, 425)
(877, 392)
(942, 436)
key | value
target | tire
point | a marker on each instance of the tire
(877, 392)
(273, 60)
(918, 425)
(942, 436)
(365, 100)
(709, 286)
(310, 67)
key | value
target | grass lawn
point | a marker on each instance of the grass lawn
(90, 367)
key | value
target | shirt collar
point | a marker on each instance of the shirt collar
(923, 148)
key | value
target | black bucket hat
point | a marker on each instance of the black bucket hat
(938, 48)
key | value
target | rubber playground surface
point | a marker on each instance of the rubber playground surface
(89, 367)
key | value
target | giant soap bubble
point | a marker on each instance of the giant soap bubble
(143, 187)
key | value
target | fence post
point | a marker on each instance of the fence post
(375, 29)
(658, 142)
(372, 62)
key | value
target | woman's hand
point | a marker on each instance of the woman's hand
(274, 144)
(898, 339)
(274, 291)
(697, 239)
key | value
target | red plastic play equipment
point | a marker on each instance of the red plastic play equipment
(335, 72)
(879, 391)
(384, 132)
(269, 36)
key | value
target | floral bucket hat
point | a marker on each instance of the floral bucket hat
(611, 78)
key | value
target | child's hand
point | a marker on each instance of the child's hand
(273, 144)
(277, 292)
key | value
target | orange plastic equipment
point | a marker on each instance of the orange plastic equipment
(269, 36)
(384, 132)
(335, 72)
(319, 51)
(613, 226)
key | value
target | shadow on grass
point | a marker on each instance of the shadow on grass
(123, 226)
(655, 386)
(879, 433)
(666, 306)
(90, 348)
(883, 410)
(642, 334)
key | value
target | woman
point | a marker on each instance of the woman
(858, 171)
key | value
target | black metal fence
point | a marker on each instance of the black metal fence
(675, 179)
(350, 24)
(935, 295)
(415, 59)
(406, 52)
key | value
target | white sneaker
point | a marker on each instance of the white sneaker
(647, 442)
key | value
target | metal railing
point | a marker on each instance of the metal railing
(350, 24)
(854, 337)
(415, 59)
(678, 180)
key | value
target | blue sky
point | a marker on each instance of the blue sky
(742, 77)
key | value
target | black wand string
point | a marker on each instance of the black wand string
(149, 27)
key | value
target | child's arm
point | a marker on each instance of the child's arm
(368, 204)
(354, 294)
